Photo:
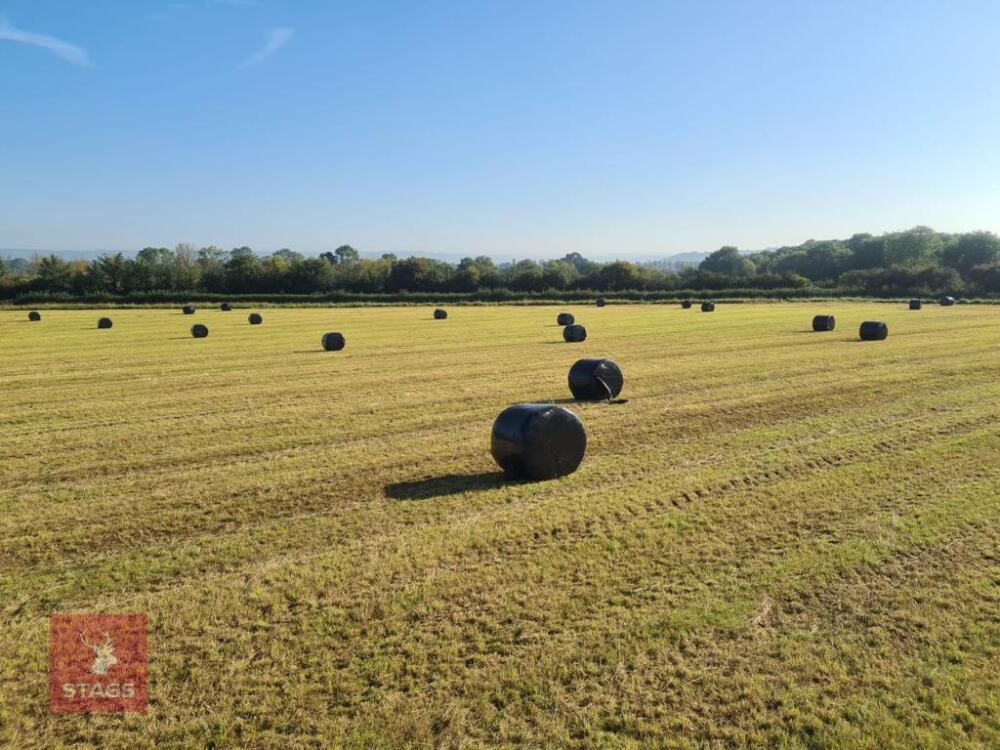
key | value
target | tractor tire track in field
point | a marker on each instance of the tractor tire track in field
(599, 522)
(308, 498)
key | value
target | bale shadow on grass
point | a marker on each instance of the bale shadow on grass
(450, 484)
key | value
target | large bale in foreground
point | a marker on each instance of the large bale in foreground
(873, 330)
(225, 307)
(574, 334)
(916, 304)
(333, 341)
(199, 331)
(34, 315)
(595, 380)
(440, 314)
(538, 441)
(104, 323)
(824, 323)
(254, 319)
(188, 309)
(686, 304)
(565, 319)
(708, 306)
(601, 302)
(947, 301)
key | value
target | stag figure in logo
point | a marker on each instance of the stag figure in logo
(104, 654)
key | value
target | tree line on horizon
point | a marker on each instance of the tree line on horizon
(918, 261)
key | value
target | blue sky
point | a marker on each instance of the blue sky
(528, 128)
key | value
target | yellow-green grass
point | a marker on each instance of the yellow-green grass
(782, 539)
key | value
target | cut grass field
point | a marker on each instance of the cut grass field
(783, 539)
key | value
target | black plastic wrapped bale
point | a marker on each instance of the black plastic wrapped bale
(188, 309)
(333, 342)
(199, 331)
(255, 319)
(947, 301)
(440, 314)
(538, 441)
(686, 304)
(708, 307)
(225, 307)
(916, 304)
(565, 319)
(601, 302)
(595, 380)
(104, 323)
(824, 323)
(574, 334)
(874, 330)
(34, 315)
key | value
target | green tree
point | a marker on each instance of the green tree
(54, 274)
(916, 246)
(243, 270)
(967, 251)
(728, 262)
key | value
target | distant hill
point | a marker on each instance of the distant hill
(673, 262)
(68, 255)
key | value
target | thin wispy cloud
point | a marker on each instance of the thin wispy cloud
(277, 39)
(68, 52)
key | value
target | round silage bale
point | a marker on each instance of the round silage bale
(947, 301)
(595, 379)
(574, 334)
(708, 306)
(188, 309)
(565, 319)
(440, 314)
(824, 323)
(916, 304)
(199, 331)
(34, 315)
(104, 323)
(255, 319)
(873, 330)
(225, 307)
(686, 304)
(333, 341)
(538, 441)
(601, 302)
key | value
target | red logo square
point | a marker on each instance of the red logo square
(97, 663)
